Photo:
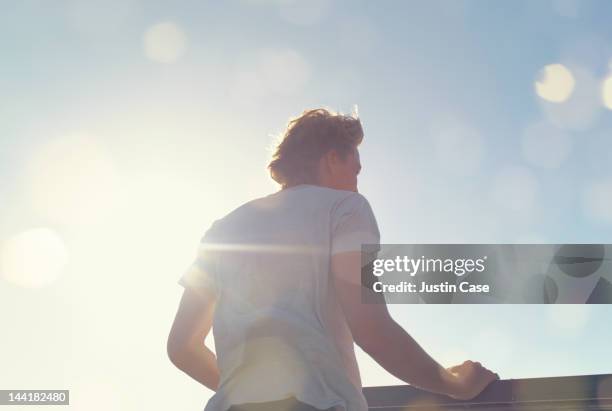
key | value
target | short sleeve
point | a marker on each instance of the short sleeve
(202, 272)
(354, 224)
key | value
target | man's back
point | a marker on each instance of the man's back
(283, 326)
(279, 330)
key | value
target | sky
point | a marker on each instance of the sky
(128, 126)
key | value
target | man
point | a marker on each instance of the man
(280, 278)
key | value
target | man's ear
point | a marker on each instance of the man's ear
(328, 161)
(324, 166)
(332, 158)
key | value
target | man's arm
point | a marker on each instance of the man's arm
(375, 331)
(185, 346)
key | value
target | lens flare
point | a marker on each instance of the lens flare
(545, 146)
(556, 83)
(515, 189)
(269, 72)
(304, 13)
(459, 149)
(581, 110)
(606, 92)
(568, 318)
(596, 200)
(33, 258)
(165, 42)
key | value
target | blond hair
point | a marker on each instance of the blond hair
(306, 139)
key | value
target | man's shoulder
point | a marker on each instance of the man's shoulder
(327, 197)
(243, 210)
(339, 195)
(351, 198)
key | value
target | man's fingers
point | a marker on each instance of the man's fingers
(492, 376)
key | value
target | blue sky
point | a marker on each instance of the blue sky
(127, 127)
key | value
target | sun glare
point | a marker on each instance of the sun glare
(33, 258)
(71, 180)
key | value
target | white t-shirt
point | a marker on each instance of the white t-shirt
(278, 328)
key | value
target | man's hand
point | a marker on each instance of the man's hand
(470, 379)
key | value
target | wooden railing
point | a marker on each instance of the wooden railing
(588, 392)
